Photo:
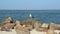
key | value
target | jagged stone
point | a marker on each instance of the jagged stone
(8, 20)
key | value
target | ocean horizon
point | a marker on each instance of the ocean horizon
(45, 16)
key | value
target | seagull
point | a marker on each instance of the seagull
(30, 15)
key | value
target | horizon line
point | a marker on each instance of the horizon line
(27, 9)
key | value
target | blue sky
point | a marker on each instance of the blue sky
(30, 4)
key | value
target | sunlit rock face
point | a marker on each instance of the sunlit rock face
(17, 22)
(9, 25)
(36, 25)
(21, 29)
(50, 31)
(8, 20)
(54, 26)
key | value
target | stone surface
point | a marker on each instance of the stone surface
(8, 20)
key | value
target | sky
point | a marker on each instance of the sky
(29, 4)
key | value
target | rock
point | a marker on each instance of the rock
(50, 31)
(9, 25)
(17, 22)
(22, 30)
(44, 25)
(8, 20)
(54, 26)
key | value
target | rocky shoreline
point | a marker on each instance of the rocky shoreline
(27, 25)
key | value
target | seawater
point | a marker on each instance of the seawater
(46, 16)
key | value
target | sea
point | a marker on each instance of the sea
(45, 16)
